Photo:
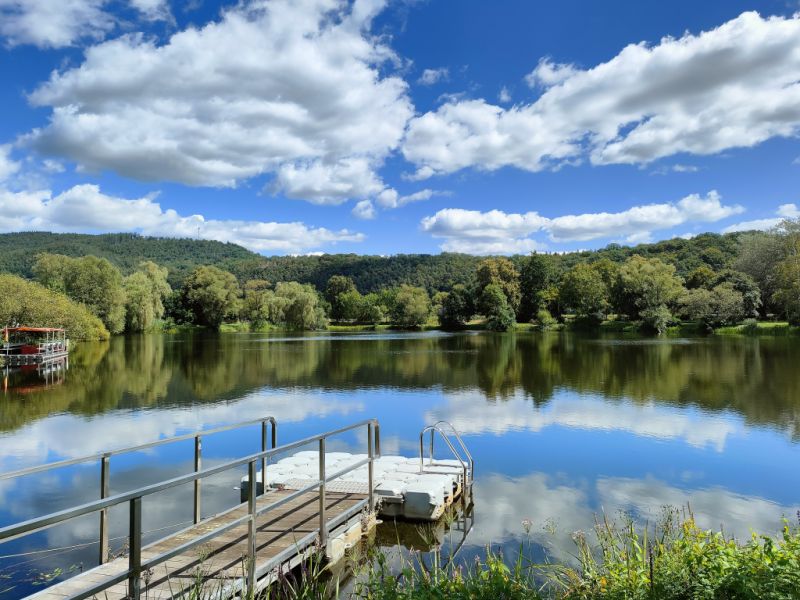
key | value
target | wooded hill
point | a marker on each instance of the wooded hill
(434, 272)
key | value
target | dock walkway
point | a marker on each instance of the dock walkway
(283, 536)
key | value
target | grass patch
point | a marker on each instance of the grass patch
(760, 328)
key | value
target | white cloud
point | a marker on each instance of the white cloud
(56, 24)
(84, 208)
(327, 184)
(275, 86)
(389, 198)
(785, 211)
(49, 24)
(734, 86)
(432, 76)
(364, 210)
(492, 232)
(548, 73)
(8, 167)
(496, 231)
(154, 10)
(504, 96)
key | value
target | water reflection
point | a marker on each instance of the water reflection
(561, 426)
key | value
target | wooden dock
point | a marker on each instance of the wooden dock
(237, 552)
(289, 530)
(244, 549)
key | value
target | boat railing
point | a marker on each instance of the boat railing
(136, 567)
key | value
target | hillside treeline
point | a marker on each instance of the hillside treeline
(712, 280)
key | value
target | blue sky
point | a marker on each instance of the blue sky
(396, 126)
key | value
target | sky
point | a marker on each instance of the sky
(399, 126)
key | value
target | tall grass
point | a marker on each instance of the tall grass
(674, 559)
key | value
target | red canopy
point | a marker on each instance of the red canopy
(32, 329)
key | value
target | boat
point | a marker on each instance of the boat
(33, 346)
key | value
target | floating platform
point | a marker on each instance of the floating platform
(407, 488)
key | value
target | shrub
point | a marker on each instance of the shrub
(545, 320)
(28, 303)
(656, 320)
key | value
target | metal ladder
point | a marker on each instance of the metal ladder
(466, 461)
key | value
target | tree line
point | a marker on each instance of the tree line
(758, 276)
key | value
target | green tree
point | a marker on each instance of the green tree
(372, 311)
(648, 290)
(646, 284)
(145, 292)
(744, 285)
(722, 305)
(350, 305)
(302, 306)
(211, 294)
(701, 277)
(500, 272)
(583, 290)
(536, 275)
(336, 286)
(27, 303)
(412, 306)
(758, 255)
(787, 271)
(90, 280)
(495, 307)
(457, 308)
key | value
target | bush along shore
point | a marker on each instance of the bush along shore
(728, 285)
(674, 560)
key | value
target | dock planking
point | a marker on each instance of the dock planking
(221, 562)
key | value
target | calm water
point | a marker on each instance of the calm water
(561, 426)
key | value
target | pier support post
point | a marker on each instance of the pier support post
(104, 490)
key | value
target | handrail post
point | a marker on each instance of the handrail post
(323, 531)
(135, 549)
(198, 458)
(264, 459)
(251, 531)
(377, 438)
(104, 490)
(430, 453)
(370, 470)
(421, 452)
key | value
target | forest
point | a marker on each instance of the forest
(110, 284)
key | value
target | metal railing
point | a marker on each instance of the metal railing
(467, 462)
(134, 498)
(105, 467)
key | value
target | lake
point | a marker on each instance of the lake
(562, 427)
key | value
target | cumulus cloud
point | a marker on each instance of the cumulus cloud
(432, 76)
(364, 209)
(734, 86)
(154, 10)
(389, 198)
(504, 96)
(50, 24)
(495, 231)
(785, 211)
(548, 73)
(275, 86)
(7, 166)
(84, 208)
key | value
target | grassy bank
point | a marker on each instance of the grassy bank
(675, 560)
